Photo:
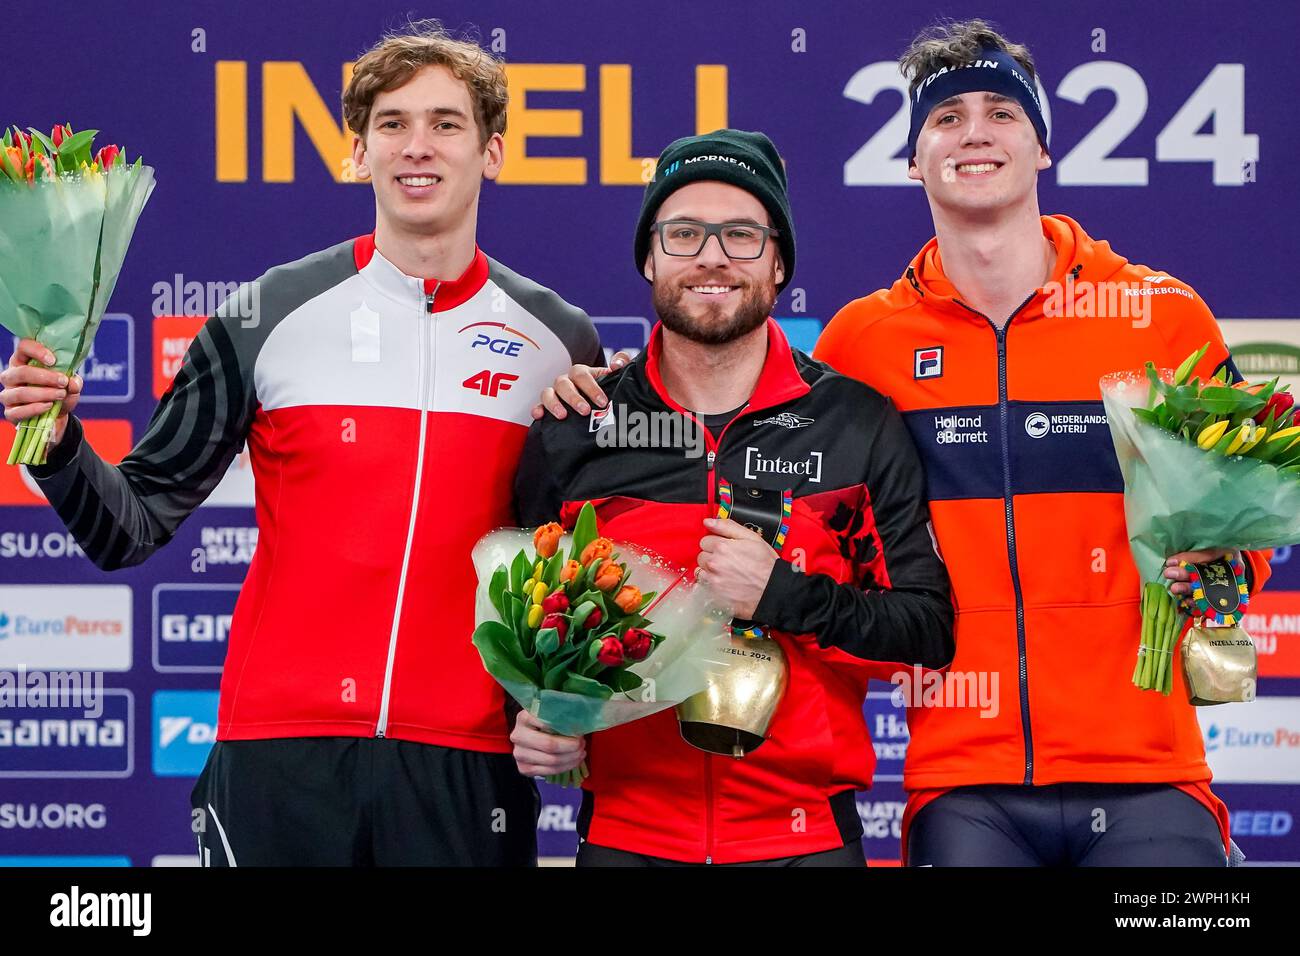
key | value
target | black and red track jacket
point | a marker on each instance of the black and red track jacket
(872, 597)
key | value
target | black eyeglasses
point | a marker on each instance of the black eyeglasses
(739, 240)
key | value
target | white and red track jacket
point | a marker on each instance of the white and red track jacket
(384, 417)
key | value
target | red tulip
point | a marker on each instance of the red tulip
(107, 156)
(56, 136)
(557, 621)
(637, 643)
(593, 619)
(1278, 404)
(557, 602)
(611, 652)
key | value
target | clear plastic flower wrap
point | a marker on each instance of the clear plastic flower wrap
(585, 633)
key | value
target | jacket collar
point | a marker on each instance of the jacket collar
(447, 293)
(778, 382)
(1078, 256)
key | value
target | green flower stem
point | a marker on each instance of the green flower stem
(1145, 643)
(1162, 631)
(31, 446)
(1169, 620)
(1161, 624)
(16, 448)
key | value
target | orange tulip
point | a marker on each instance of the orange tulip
(628, 598)
(46, 167)
(570, 570)
(13, 163)
(597, 550)
(607, 576)
(546, 539)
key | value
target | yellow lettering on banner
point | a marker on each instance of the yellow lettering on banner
(288, 94)
(520, 168)
(232, 121)
(289, 98)
(618, 167)
(710, 98)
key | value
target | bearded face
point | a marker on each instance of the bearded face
(697, 308)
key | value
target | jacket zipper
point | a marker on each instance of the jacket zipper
(709, 462)
(425, 382)
(1004, 414)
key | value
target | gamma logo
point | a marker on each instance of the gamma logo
(928, 362)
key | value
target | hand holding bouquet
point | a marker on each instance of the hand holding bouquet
(1206, 465)
(566, 629)
(68, 214)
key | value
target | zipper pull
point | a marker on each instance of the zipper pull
(428, 303)
(712, 455)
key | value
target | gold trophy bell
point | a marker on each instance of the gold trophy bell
(1219, 660)
(731, 716)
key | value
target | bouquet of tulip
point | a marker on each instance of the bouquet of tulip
(68, 214)
(1205, 465)
(563, 628)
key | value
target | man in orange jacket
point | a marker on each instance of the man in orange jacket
(992, 344)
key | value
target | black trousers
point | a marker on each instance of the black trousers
(589, 854)
(360, 801)
(1065, 824)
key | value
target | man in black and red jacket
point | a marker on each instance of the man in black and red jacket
(857, 590)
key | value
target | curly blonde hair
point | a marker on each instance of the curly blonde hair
(400, 54)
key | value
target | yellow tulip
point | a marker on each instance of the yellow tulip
(1241, 434)
(534, 615)
(1210, 434)
(1255, 437)
(1286, 433)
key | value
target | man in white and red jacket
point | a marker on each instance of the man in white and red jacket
(383, 388)
(857, 589)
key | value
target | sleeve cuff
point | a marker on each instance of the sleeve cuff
(62, 454)
(781, 603)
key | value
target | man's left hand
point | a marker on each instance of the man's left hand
(735, 563)
(1182, 578)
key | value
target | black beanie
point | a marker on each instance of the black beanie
(735, 156)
